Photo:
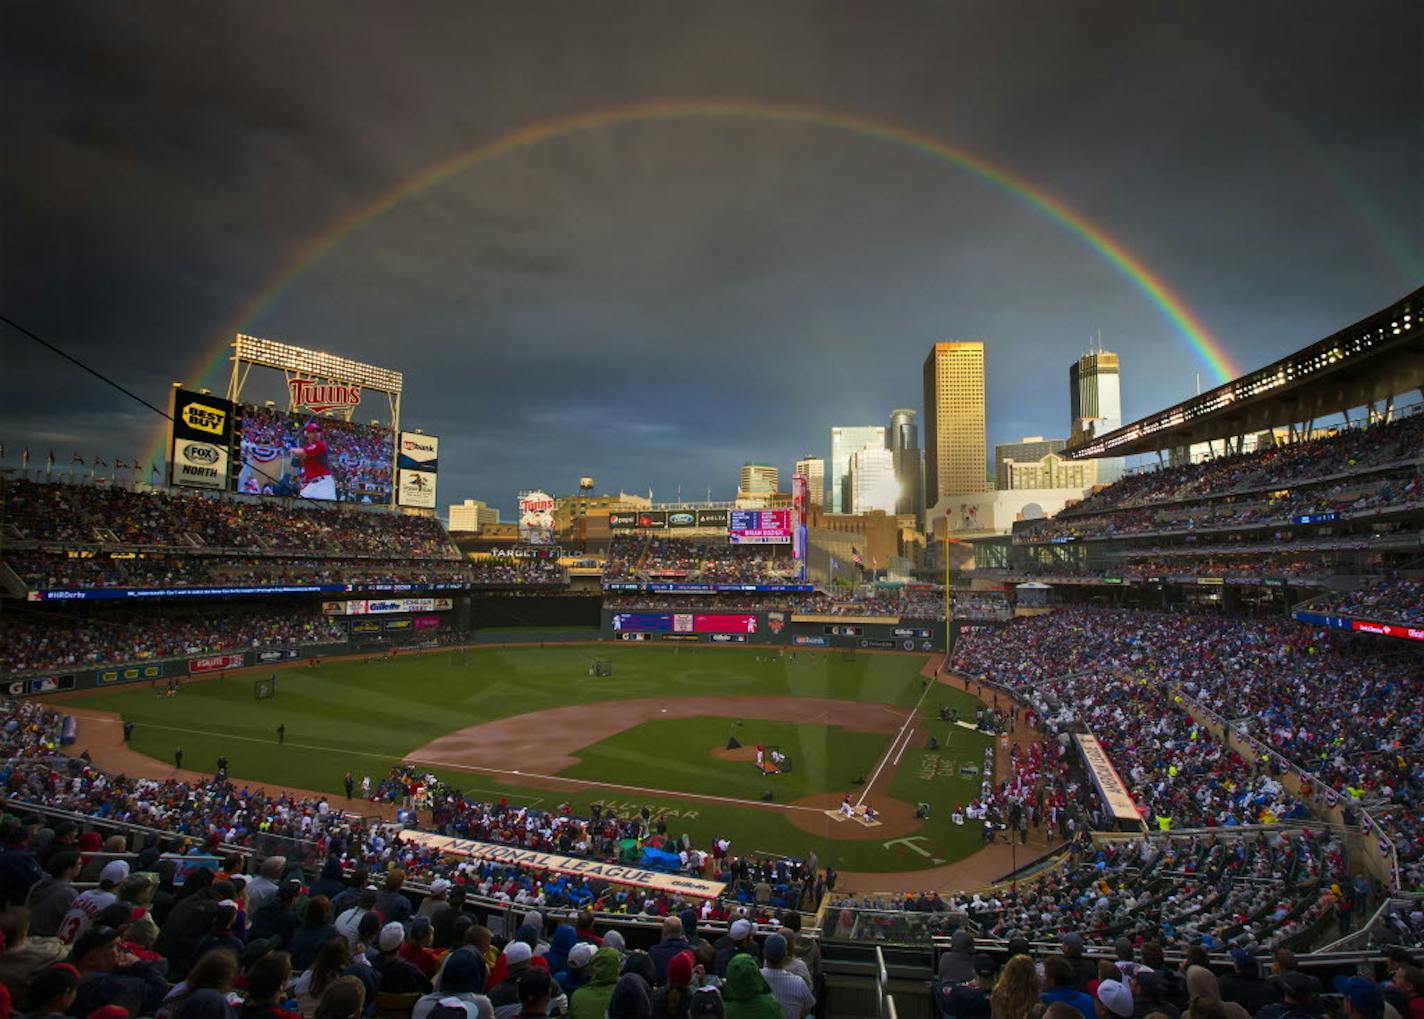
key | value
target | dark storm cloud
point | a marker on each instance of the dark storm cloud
(654, 303)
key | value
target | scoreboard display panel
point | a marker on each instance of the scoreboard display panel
(759, 527)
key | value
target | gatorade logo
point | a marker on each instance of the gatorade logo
(202, 418)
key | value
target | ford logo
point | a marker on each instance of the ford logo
(681, 518)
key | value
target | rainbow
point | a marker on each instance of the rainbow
(1170, 305)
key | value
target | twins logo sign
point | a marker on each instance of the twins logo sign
(776, 621)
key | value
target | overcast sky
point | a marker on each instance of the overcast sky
(655, 302)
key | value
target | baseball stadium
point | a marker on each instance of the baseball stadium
(261, 698)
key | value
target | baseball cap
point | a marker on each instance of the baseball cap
(706, 1003)
(312, 426)
(94, 937)
(580, 955)
(1364, 995)
(1116, 997)
(740, 929)
(439, 886)
(464, 971)
(48, 983)
(419, 927)
(1072, 940)
(114, 872)
(984, 965)
(392, 934)
(109, 1012)
(516, 952)
(1296, 985)
(775, 948)
(289, 890)
(680, 969)
(1244, 959)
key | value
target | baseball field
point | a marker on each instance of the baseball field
(532, 724)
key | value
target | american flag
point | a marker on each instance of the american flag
(77, 459)
(856, 557)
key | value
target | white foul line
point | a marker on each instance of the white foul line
(909, 720)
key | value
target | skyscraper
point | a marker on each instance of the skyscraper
(904, 442)
(1095, 404)
(845, 440)
(758, 479)
(1030, 447)
(872, 480)
(813, 469)
(955, 460)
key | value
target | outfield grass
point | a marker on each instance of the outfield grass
(363, 717)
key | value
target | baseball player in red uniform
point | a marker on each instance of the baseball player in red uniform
(317, 482)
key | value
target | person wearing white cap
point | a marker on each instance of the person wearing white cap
(439, 892)
(397, 975)
(93, 902)
(738, 940)
(1114, 1000)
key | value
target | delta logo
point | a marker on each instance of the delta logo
(323, 396)
(203, 418)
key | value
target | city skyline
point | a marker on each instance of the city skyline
(690, 241)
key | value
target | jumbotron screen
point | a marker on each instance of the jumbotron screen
(684, 622)
(298, 455)
(759, 527)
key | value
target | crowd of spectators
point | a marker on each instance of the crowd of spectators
(86, 515)
(650, 559)
(158, 948)
(1393, 599)
(1345, 710)
(36, 639)
(1249, 890)
(161, 570)
(1350, 451)
(1390, 491)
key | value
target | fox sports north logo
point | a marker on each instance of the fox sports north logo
(200, 454)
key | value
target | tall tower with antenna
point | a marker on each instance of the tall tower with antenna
(1095, 401)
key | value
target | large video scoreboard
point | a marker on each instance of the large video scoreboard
(759, 527)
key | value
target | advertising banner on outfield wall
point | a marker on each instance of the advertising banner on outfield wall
(200, 440)
(712, 518)
(614, 872)
(382, 606)
(216, 663)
